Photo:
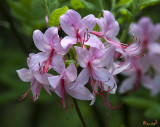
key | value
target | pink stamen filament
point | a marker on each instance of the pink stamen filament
(81, 39)
(23, 96)
(64, 94)
(44, 68)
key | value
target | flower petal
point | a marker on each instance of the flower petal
(89, 21)
(82, 79)
(42, 78)
(51, 36)
(94, 41)
(101, 74)
(146, 81)
(156, 87)
(25, 74)
(154, 48)
(81, 93)
(39, 41)
(111, 25)
(83, 56)
(127, 84)
(71, 72)
(58, 63)
(54, 81)
(106, 58)
(70, 22)
(68, 40)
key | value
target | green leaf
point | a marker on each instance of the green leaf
(153, 112)
(124, 2)
(55, 15)
(139, 102)
(88, 5)
(77, 4)
(146, 3)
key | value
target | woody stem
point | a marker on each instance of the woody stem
(79, 113)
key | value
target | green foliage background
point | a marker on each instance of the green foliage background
(18, 20)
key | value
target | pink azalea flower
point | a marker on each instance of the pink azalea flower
(62, 84)
(137, 76)
(109, 28)
(49, 45)
(148, 33)
(93, 63)
(78, 29)
(37, 80)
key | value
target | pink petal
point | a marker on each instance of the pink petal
(39, 41)
(155, 60)
(120, 68)
(70, 22)
(42, 78)
(106, 58)
(81, 93)
(146, 81)
(25, 74)
(54, 81)
(127, 84)
(156, 87)
(68, 40)
(58, 63)
(35, 90)
(51, 36)
(83, 56)
(101, 74)
(155, 33)
(89, 21)
(100, 22)
(154, 48)
(94, 41)
(111, 25)
(71, 72)
(136, 30)
(82, 79)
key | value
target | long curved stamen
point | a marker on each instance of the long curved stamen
(136, 47)
(83, 40)
(23, 96)
(38, 88)
(107, 105)
(64, 94)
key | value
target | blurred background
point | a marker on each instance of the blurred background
(18, 20)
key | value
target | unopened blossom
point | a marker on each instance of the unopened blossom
(49, 45)
(37, 79)
(78, 29)
(62, 83)
(93, 63)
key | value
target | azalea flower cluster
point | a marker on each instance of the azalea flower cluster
(144, 70)
(95, 58)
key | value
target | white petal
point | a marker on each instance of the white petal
(25, 74)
